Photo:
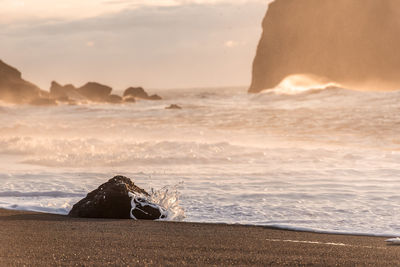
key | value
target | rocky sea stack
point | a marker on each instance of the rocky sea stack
(119, 198)
(14, 89)
(350, 42)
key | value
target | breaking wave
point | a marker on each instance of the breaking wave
(51, 194)
(319, 158)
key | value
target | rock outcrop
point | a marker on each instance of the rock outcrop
(119, 198)
(64, 93)
(350, 42)
(14, 89)
(139, 92)
(95, 92)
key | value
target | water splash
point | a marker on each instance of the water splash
(295, 84)
(168, 198)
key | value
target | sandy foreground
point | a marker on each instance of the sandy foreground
(35, 239)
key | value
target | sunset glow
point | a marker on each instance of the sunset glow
(20, 10)
(78, 40)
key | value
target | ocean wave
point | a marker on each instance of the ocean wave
(52, 194)
(324, 158)
(84, 152)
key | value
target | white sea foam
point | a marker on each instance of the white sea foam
(169, 199)
(325, 160)
(166, 200)
(394, 241)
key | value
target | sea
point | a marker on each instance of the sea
(323, 159)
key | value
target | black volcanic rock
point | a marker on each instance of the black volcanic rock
(139, 92)
(13, 88)
(174, 106)
(129, 99)
(119, 198)
(58, 91)
(8, 73)
(95, 92)
(154, 97)
(114, 99)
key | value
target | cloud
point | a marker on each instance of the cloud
(188, 17)
(22, 10)
(183, 45)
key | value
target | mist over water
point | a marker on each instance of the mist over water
(320, 159)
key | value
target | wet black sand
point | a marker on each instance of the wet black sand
(35, 239)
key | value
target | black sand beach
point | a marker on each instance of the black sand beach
(35, 239)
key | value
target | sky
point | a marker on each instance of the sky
(122, 43)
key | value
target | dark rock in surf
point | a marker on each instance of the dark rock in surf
(63, 93)
(174, 106)
(64, 99)
(154, 97)
(119, 198)
(129, 99)
(95, 92)
(42, 101)
(139, 92)
(13, 88)
(114, 99)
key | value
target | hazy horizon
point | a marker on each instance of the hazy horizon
(154, 44)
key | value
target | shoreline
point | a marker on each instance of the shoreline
(271, 227)
(42, 239)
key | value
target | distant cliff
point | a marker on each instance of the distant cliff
(351, 42)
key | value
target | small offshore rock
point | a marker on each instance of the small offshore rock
(139, 92)
(129, 99)
(58, 91)
(174, 106)
(154, 97)
(95, 91)
(114, 99)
